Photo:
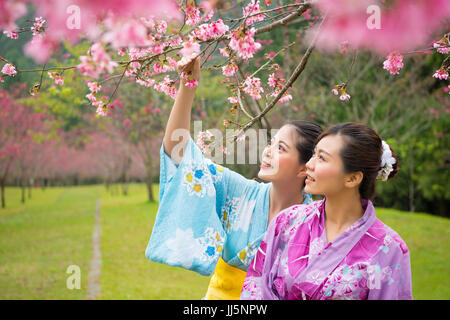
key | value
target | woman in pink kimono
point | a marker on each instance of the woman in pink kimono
(335, 248)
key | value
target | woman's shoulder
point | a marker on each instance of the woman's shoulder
(390, 242)
(397, 241)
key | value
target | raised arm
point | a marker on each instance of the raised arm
(178, 125)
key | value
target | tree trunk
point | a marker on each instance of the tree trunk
(22, 186)
(149, 180)
(2, 187)
(412, 208)
(30, 186)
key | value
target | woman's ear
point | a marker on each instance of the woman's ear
(354, 179)
(302, 171)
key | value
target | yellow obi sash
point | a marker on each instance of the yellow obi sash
(226, 282)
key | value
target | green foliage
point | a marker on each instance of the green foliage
(54, 230)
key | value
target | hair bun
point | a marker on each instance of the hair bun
(394, 166)
(389, 163)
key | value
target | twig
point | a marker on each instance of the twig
(238, 94)
(298, 70)
(271, 59)
(285, 20)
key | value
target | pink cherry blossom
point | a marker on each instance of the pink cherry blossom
(211, 30)
(441, 74)
(91, 97)
(40, 48)
(350, 20)
(251, 11)
(102, 110)
(393, 62)
(272, 80)
(9, 69)
(253, 87)
(94, 86)
(224, 52)
(59, 80)
(442, 47)
(233, 100)
(10, 11)
(99, 62)
(340, 89)
(128, 33)
(189, 81)
(344, 96)
(192, 83)
(192, 14)
(159, 67)
(285, 98)
(244, 43)
(38, 26)
(167, 86)
(190, 49)
(11, 34)
(229, 69)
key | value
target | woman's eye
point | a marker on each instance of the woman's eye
(280, 147)
(321, 158)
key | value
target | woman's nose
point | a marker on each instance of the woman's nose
(310, 164)
(267, 151)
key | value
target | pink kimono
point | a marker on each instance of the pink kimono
(369, 260)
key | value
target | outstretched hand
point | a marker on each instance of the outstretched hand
(190, 71)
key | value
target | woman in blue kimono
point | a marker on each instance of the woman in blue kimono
(211, 218)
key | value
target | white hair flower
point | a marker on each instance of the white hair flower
(387, 162)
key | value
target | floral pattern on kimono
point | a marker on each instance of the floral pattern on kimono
(207, 211)
(369, 260)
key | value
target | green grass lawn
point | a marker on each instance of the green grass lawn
(53, 230)
(40, 239)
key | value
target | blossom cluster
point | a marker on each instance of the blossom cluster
(9, 69)
(211, 30)
(97, 62)
(38, 26)
(203, 140)
(251, 13)
(340, 89)
(243, 43)
(277, 82)
(393, 62)
(59, 80)
(253, 87)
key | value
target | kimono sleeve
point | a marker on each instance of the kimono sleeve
(390, 276)
(262, 272)
(188, 231)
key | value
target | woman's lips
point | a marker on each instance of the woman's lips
(265, 165)
(309, 179)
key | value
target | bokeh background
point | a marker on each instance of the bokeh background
(68, 161)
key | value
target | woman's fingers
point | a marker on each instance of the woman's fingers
(188, 66)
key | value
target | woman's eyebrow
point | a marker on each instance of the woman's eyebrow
(287, 146)
(323, 151)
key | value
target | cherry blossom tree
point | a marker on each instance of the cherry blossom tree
(147, 40)
(18, 141)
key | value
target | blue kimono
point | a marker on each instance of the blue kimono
(207, 211)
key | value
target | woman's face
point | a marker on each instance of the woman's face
(280, 159)
(324, 171)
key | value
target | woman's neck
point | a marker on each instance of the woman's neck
(283, 196)
(343, 209)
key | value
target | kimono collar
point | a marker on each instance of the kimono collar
(369, 214)
(322, 265)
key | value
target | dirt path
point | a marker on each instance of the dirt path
(93, 291)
